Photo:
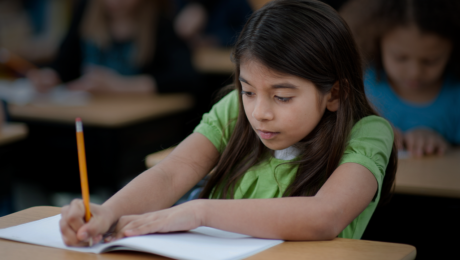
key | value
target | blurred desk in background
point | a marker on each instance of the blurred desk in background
(213, 61)
(11, 132)
(430, 176)
(154, 158)
(119, 132)
(107, 111)
(337, 248)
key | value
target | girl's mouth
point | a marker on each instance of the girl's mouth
(266, 134)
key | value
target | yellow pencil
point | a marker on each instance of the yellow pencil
(83, 171)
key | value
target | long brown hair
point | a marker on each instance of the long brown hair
(95, 26)
(370, 20)
(307, 39)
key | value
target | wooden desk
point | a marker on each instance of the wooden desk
(217, 60)
(213, 60)
(12, 132)
(430, 176)
(335, 249)
(107, 111)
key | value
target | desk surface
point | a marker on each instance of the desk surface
(213, 60)
(335, 249)
(107, 111)
(12, 132)
(431, 176)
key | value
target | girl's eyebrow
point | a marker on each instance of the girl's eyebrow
(284, 85)
(276, 86)
(243, 80)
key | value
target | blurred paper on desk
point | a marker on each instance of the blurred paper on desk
(21, 92)
(403, 154)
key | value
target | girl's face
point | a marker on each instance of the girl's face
(414, 61)
(282, 109)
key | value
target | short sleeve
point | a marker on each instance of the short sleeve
(218, 124)
(370, 145)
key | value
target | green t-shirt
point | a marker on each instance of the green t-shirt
(370, 145)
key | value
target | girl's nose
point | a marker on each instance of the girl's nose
(262, 111)
(415, 70)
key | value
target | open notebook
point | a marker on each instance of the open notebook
(199, 243)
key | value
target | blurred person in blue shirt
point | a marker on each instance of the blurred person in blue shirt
(412, 53)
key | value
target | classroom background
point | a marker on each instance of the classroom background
(133, 107)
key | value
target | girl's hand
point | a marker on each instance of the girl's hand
(74, 230)
(184, 217)
(423, 141)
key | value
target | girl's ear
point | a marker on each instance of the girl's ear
(333, 98)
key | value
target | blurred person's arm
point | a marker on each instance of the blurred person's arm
(43, 79)
(104, 80)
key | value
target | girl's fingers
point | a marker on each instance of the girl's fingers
(130, 223)
(69, 236)
(97, 239)
(146, 228)
(74, 215)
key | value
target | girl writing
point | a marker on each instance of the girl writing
(298, 152)
(412, 52)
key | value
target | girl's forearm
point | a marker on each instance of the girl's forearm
(293, 218)
(346, 193)
(150, 191)
(162, 185)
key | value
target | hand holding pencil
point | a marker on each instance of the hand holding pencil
(82, 225)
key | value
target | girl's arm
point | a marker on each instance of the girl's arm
(342, 198)
(161, 186)
(157, 188)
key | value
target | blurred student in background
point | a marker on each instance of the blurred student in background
(120, 46)
(412, 52)
(211, 23)
(33, 29)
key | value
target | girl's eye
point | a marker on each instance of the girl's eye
(283, 99)
(247, 93)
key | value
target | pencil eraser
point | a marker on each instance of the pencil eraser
(78, 119)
